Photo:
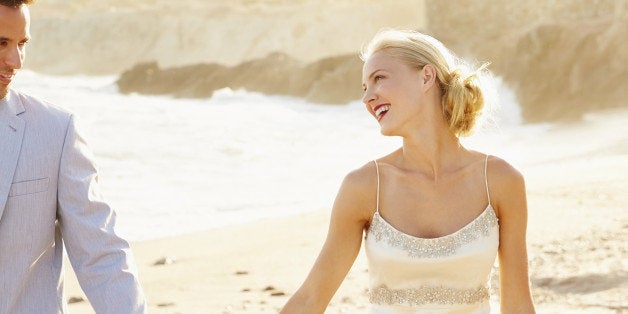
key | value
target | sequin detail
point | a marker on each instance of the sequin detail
(427, 295)
(436, 247)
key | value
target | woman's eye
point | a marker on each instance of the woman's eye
(377, 78)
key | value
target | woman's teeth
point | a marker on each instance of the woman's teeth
(381, 110)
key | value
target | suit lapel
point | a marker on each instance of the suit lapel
(11, 135)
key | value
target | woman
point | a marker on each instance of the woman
(435, 214)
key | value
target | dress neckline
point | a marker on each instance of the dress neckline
(467, 226)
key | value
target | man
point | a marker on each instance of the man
(49, 198)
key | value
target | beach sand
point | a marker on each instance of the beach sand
(577, 235)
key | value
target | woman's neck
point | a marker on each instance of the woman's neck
(432, 151)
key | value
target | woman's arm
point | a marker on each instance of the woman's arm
(350, 213)
(509, 187)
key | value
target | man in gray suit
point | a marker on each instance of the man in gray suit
(49, 198)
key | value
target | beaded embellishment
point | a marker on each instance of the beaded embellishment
(436, 247)
(428, 295)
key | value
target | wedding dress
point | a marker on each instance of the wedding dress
(448, 274)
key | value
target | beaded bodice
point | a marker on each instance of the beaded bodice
(448, 274)
(445, 274)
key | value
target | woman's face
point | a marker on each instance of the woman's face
(392, 93)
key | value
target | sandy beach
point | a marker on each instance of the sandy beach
(577, 235)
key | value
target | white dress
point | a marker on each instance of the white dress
(448, 274)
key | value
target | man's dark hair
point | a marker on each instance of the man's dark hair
(15, 3)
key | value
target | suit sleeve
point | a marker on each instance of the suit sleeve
(103, 261)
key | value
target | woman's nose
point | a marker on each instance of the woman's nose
(368, 96)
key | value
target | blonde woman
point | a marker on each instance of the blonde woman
(435, 215)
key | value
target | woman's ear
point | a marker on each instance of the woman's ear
(428, 75)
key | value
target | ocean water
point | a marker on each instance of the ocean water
(171, 166)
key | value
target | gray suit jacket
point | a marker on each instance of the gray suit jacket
(49, 198)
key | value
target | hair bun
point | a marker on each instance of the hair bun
(462, 99)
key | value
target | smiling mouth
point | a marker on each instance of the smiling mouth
(6, 77)
(381, 110)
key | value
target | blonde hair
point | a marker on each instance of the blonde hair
(462, 98)
(15, 3)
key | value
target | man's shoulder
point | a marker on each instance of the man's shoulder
(33, 104)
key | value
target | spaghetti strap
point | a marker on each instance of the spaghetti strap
(488, 194)
(377, 197)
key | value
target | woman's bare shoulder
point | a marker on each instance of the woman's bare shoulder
(358, 191)
(503, 172)
(362, 179)
(506, 183)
